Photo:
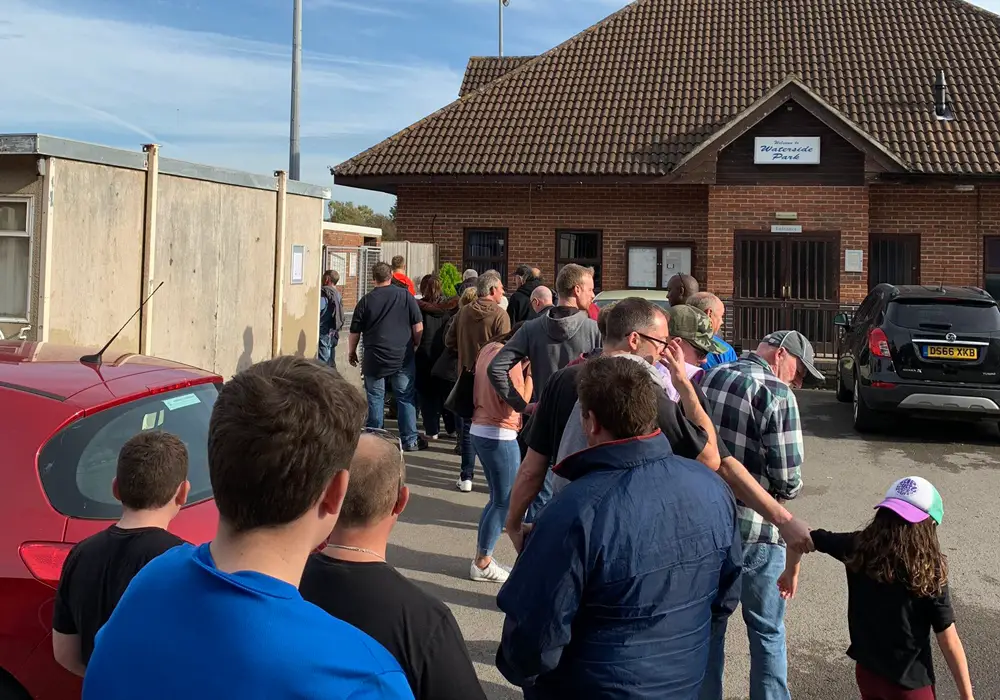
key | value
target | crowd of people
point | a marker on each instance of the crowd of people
(639, 467)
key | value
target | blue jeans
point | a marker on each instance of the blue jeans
(327, 352)
(468, 453)
(500, 460)
(404, 388)
(543, 497)
(764, 615)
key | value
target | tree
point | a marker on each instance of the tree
(363, 215)
(450, 278)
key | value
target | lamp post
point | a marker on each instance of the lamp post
(502, 4)
(293, 145)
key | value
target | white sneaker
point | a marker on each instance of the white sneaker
(464, 485)
(493, 573)
(431, 438)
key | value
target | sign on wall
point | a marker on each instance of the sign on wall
(298, 264)
(786, 150)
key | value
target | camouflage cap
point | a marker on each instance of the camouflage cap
(694, 326)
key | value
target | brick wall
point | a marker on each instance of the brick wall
(343, 239)
(439, 214)
(843, 209)
(951, 226)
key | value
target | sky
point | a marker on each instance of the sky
(209, 80)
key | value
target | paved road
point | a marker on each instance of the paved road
(844, 475)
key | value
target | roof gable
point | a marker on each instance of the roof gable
(637, 93)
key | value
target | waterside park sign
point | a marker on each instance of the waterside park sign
(790, 150)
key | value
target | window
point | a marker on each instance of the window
(77, 465)
(486, 249)
(651, 265)
(940, 315)
(893, 258)
(582, 248)
(991, 265)
(15, 257)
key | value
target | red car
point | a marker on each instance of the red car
(62, 423)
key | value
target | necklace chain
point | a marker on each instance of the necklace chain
(360, 550)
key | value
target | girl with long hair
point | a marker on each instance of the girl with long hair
(897, 583)
(432, 391)
(495, 426)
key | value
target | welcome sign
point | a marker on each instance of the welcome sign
(786, 150)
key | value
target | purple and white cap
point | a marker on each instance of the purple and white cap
(914, 499)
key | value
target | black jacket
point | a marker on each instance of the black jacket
(519, 304)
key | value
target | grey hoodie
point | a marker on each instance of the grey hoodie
(550, 342)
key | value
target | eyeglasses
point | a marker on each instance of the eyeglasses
(663, 344)
(383, 434)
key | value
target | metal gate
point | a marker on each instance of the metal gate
(894, 259)
(354, 263)
(786, 282)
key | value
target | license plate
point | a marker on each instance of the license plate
(950, 352)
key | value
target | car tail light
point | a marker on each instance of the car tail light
(44, 560)
(883, 385)
(878, 343)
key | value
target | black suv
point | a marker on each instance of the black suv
(933, 351)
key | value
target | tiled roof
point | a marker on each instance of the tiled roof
(635, 93)
(483, 70)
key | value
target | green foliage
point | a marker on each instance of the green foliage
(363, 215)
(450, 279)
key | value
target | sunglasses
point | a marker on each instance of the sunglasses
(386, 435)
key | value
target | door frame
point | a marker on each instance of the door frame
(784, 308)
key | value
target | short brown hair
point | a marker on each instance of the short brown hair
(151, 465)
(602, 319)
(570, 276)
(620, 394)
(381, 272)
(280, 431)
(630, 315)
(374, 486)
(398, 262)
(331, 277)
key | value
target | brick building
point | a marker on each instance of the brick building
(789, 155)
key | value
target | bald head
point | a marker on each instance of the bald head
(680, 287)
(377, 471)
(711, 305)
(541, 297)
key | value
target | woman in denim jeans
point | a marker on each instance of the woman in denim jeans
(494, 439)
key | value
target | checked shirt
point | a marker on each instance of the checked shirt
(758, 420)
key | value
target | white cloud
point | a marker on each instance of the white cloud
(205, 97)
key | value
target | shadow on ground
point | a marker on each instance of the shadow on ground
(825, 417)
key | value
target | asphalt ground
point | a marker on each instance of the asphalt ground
(844, 473)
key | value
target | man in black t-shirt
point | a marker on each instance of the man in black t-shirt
(391, 323)
(151, 483)
(351, 580)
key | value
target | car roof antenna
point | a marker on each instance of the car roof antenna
(96, 358)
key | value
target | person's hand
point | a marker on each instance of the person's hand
(673, 359)
(788, 583)
(352, 359)
(518, 534)
(796, 534)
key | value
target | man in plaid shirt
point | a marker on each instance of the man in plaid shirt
(752, 403)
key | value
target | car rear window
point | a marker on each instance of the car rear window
(937, 315)
(77, 465)
(662, 303)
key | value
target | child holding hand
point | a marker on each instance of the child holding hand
(897, 583)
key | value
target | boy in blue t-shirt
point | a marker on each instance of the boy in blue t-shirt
(226, 619)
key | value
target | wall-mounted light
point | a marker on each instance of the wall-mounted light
(965, 188)
(786, 215)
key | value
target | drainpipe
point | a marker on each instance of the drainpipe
(48, 168)
(279, 265)
(152, 152)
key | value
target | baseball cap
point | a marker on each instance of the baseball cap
(694, 326)
(914, 499)
(799, 346)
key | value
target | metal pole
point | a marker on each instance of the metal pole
(293, 151)
(500, 5)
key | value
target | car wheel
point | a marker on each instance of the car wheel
(843, 395)
(865, 419)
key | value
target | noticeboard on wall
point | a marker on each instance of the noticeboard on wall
(298, 264)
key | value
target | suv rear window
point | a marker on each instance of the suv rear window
(937, 315)
(77, 465)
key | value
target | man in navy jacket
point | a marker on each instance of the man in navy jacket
(617, 586)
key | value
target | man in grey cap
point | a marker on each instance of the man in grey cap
(752, 403)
